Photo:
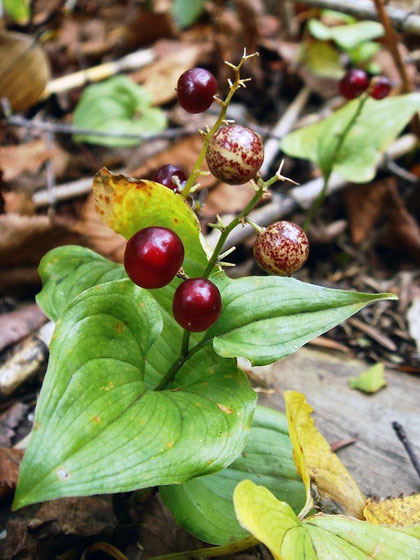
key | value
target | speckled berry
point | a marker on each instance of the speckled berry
(195, 90)
(197, 304)
(354, 83)
(379, 87)
(235, 154)
(153, 256)
(164, 175)
(282, 248)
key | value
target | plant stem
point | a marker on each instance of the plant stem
(224, 105)
(327, 174)
(225, 232)
(211, 552)
(176, 366)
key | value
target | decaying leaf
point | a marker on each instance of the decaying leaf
(401, 511)
(15, 160)
(316, 463)
(9, 466)
(371, 380)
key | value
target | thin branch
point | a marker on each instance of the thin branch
(402, 436)
(408, 22)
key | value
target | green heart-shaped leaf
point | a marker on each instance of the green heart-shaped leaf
(204, 505)
(377, 126)
(321, 537)
(98, 429)
(267, 318)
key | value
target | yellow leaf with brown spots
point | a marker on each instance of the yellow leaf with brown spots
(400, 512)
(316, 463)
(127, 205)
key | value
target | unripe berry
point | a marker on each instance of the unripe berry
(235, 154)
(153, 256)
(164, 175)
(379, 87)
(195, 90)
(353, 83)
(282, 248)
(197, 304)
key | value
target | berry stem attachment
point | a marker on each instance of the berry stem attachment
(327, 173)
(236, 84)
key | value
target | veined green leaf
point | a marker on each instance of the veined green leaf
(320, 537)
(267, 318)
(117, 105)
(98, 429)
(377, 126)
(204, 505)
(346, 36)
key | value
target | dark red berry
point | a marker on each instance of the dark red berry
(379, 87)
(195, 90)
(197, 304)
(153, 256)
(282, 248)
(235, 154)
(353, 83)
(165, 174)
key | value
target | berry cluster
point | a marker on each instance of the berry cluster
(356, 81)
(154, 255)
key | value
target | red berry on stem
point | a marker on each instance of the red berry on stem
(379, 87)
(282, 248)
(165, 174)
(195, 90)
(353, 83)
(197, 304)
(235, 154)
(153, 256)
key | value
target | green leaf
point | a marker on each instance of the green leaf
(186, 12)
(67, 271)
(266, 318)
(371, 380)
(322, 59)
(128, 205)
(117, 105)
(204, 507)
(346, 36)
(362, 54)
(320, 537)
(378, 125)
(98, 429)
(18, 10)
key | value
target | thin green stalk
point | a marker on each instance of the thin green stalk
(178, 363)
(208, 136)
(327, 175)
(225, 232)
(211, 552)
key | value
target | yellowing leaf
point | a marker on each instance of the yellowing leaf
(128, 205)
(320, 537)
(395, 511)
(371, 380)
(316, 463)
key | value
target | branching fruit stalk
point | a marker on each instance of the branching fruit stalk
(327, 173)
(235, 85)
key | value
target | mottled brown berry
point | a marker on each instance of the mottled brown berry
(282, 248)
(235, 154)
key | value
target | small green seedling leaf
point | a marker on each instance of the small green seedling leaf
(320, 537)
(267, 318)
(186, 12)
(204, 506)
(99, 429)
(18, 10)
(378, 125)
(128, 205)
(371, 380)
(322, 59)
(117, 105)
(346, 36)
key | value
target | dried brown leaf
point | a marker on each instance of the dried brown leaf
(9, 466)
(18, 324)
